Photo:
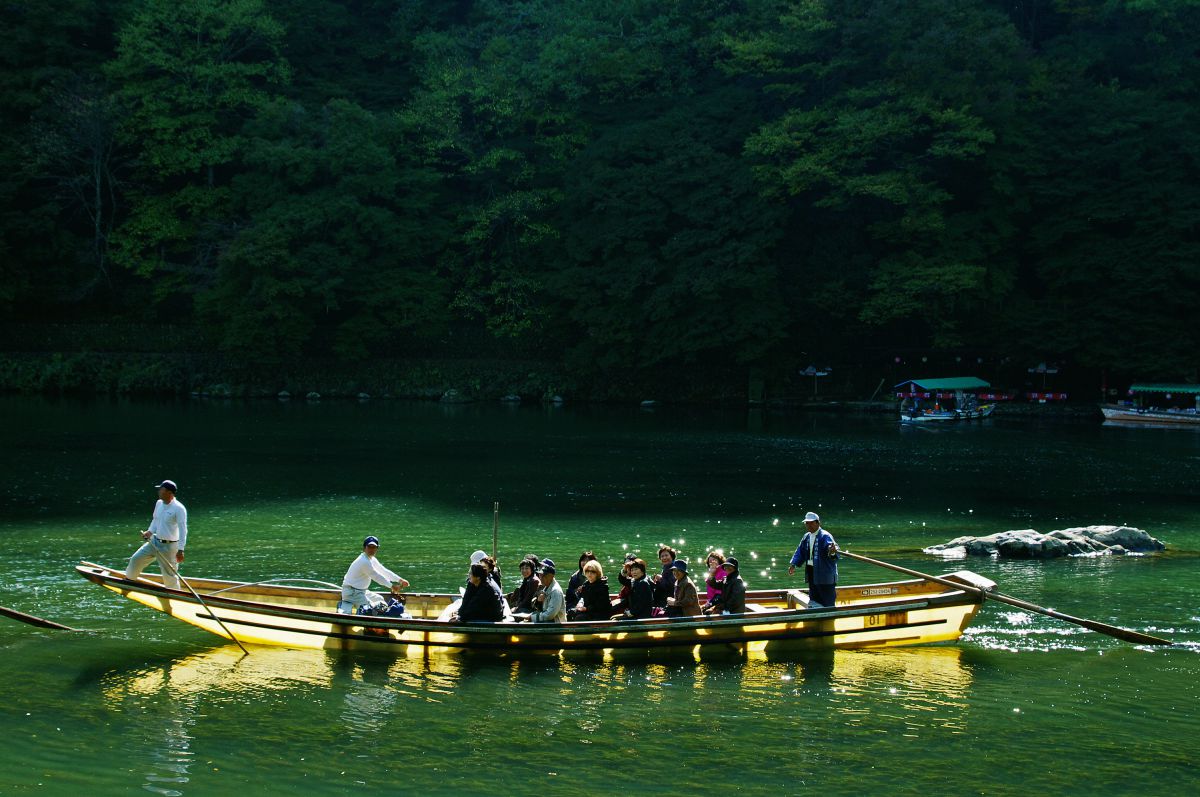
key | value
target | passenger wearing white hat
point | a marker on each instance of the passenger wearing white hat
(819, 552)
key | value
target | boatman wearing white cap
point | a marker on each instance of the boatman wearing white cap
(363, 570)
(165, 539)
(819, 553)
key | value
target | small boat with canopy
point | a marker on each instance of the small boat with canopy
(941, 400)
(1159, 404)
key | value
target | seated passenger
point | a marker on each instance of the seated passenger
(623, 577)
(476, 558)
(595, 603)
(493, 572)
(716, 575)
(578, 579)
(521, 599)
(732, 599)
(641, 594)
(664, 582)
(550, 605)
(685, 602)
(481, 601)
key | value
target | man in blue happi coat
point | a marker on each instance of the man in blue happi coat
(819, 553)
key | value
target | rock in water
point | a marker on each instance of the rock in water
(455, 397)
(1032, 544)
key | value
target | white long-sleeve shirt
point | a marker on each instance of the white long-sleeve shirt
(364, 569)
(169, 522)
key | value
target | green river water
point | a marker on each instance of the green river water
(1022, 705)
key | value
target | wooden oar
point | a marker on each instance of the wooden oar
(163, 563)
(495, 528)
(1136, 637)
(38, 621)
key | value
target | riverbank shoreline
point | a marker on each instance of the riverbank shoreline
(450, 380)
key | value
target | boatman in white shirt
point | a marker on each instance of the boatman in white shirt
(819, 553)
(165, 539)
(363, 570)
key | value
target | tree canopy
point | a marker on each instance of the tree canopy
(619, 185)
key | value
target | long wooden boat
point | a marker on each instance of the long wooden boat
(777, 621)
(1115, 412)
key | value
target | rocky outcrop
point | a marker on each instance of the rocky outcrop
(453, 396)
(1031, 544)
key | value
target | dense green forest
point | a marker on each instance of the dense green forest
(615, 186)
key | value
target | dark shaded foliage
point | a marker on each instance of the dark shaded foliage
(617, 187)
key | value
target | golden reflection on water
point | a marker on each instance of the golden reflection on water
(328, 707)
(902, 690)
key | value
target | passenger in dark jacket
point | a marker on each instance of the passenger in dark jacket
(596, 602)
(623, 577)
(493, 572)
(733, 592)
(577, 581)
(481, 600)
(641, 594)
(664, 583)
(521, 599)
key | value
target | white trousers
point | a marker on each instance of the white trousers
(352, 598)
(151, 550)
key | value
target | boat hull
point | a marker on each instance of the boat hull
(1157, 417)
(934, 416)
(867, 616)
(941, 416)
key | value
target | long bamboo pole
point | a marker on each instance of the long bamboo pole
(1136, 637)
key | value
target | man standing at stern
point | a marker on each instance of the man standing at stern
(165, 538)
(819, 553)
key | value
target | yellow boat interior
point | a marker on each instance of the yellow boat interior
(430, 605)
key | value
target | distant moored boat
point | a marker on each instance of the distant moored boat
(1169, 416)
(952, 399)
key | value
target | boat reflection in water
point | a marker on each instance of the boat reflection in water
(576, 698)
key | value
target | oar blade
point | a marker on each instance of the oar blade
(40, 622)
(1136, 637)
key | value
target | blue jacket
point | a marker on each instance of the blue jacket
(824, 568)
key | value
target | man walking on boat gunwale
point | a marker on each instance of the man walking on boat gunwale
(363, 570)
(165, 538)
(819, 553)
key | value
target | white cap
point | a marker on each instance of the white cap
(478, 557)
(812, 516)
